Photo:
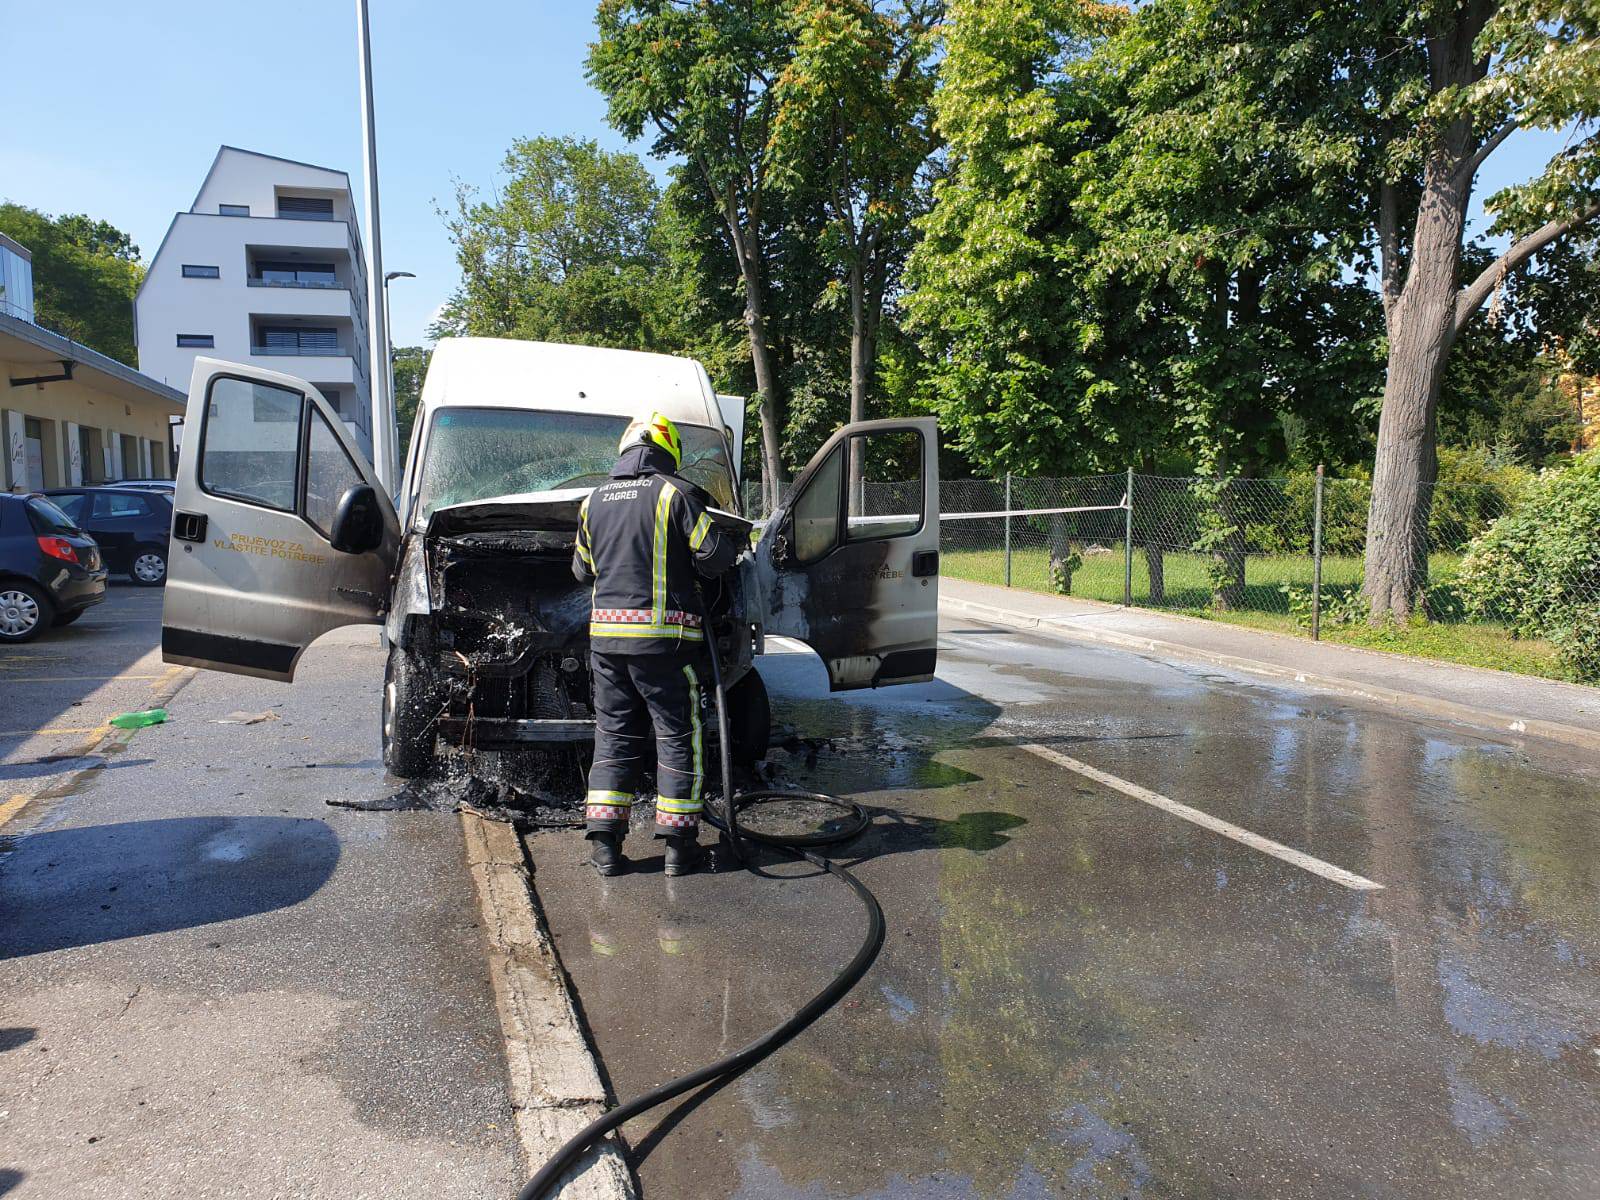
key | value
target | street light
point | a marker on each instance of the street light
(383, 438)
(388, 357)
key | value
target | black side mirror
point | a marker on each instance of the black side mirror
(358, 521)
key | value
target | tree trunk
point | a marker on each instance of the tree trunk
(1227, 590)
(1062, 554)
(1421, 319)
(858, 377)
(1155, 561)
(755, 319)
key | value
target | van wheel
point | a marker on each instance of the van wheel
(25, 611)
(749, 720)
(410, 708)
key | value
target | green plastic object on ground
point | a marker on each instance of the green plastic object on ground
(138, 720)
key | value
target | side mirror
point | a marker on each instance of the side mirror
(358, 521)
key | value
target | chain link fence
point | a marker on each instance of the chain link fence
(1287, 554)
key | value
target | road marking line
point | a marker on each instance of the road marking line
(1227, 829)
(78, 678)
(39, 732)
(12, 807)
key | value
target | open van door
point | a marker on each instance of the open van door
(280, 530)
(850, 561)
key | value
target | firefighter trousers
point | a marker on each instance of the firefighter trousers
(643, 701)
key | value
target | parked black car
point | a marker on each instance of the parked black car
(131, 525)
(50, 569)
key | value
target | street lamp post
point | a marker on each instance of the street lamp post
(388, 358)
(383, 439)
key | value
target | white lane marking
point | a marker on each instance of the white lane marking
(1206, 821)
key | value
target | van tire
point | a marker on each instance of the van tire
(749, 720)
(410, 708)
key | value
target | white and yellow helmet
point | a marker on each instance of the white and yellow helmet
(654, 430)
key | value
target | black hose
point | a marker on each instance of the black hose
(544, 1181)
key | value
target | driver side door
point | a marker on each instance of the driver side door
(268, 483)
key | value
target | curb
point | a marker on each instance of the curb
(1409, 702)
(554, 1075)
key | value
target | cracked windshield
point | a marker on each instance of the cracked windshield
(481, 453)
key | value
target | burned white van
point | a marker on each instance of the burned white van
(281, 533)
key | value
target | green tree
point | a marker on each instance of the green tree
(701, 77)
(1458, 79)
(566, 250)
(854, 127)
(85, 274)
(410, 368)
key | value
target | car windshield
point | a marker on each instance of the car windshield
(480, 453)
(48, 519)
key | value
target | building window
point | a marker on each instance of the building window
(296, 339)
(16, 281)
(305, 208)
(331, 395)
(234, 210)
(203, 341)
(192, 271)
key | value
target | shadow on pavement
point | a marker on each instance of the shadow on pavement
(9, 1180)
(101, 883)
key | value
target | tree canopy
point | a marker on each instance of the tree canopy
(85, 274)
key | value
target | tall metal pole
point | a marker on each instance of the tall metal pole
(1127, 545)
(388, 364)
(1008, 528)
(383, 439)
(1316, 562)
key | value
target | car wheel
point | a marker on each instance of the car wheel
(749, 720)
(25, 612)
(410, 707)
(67, 618)
(149, 567)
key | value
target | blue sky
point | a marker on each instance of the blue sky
(117, 108)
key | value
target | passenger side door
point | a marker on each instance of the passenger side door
(113, 521)
(849, 564)
(280, 531)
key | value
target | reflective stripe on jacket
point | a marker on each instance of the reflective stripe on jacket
(642, 538)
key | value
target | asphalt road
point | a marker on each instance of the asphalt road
(211, 983)
(1381, 977)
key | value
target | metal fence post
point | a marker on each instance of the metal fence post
(1127, 545)
(1316, 561)
(1008, 528)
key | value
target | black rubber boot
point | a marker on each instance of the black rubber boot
(683, 856)
(605, 852)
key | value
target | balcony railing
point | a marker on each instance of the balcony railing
(303, 351)
(334, 285)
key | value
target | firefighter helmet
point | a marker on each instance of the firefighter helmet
(654, 430)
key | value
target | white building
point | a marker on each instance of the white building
(265, 268)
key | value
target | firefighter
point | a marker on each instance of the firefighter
(642, 539)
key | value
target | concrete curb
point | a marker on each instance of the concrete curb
(555, 1078)
(1408, 702)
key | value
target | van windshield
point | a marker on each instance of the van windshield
(480, 453)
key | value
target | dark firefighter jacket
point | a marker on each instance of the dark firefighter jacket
(641, 539)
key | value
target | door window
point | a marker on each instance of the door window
(816, 512)
(111, 504)
(885, 485)
(249, 443)
(329, 475)
(71, 504)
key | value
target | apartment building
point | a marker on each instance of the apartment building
(264, 268)
(68, 414)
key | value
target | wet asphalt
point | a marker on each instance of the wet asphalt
(212, 983)
(1084, 995)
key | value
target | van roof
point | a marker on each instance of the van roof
(506, 373)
